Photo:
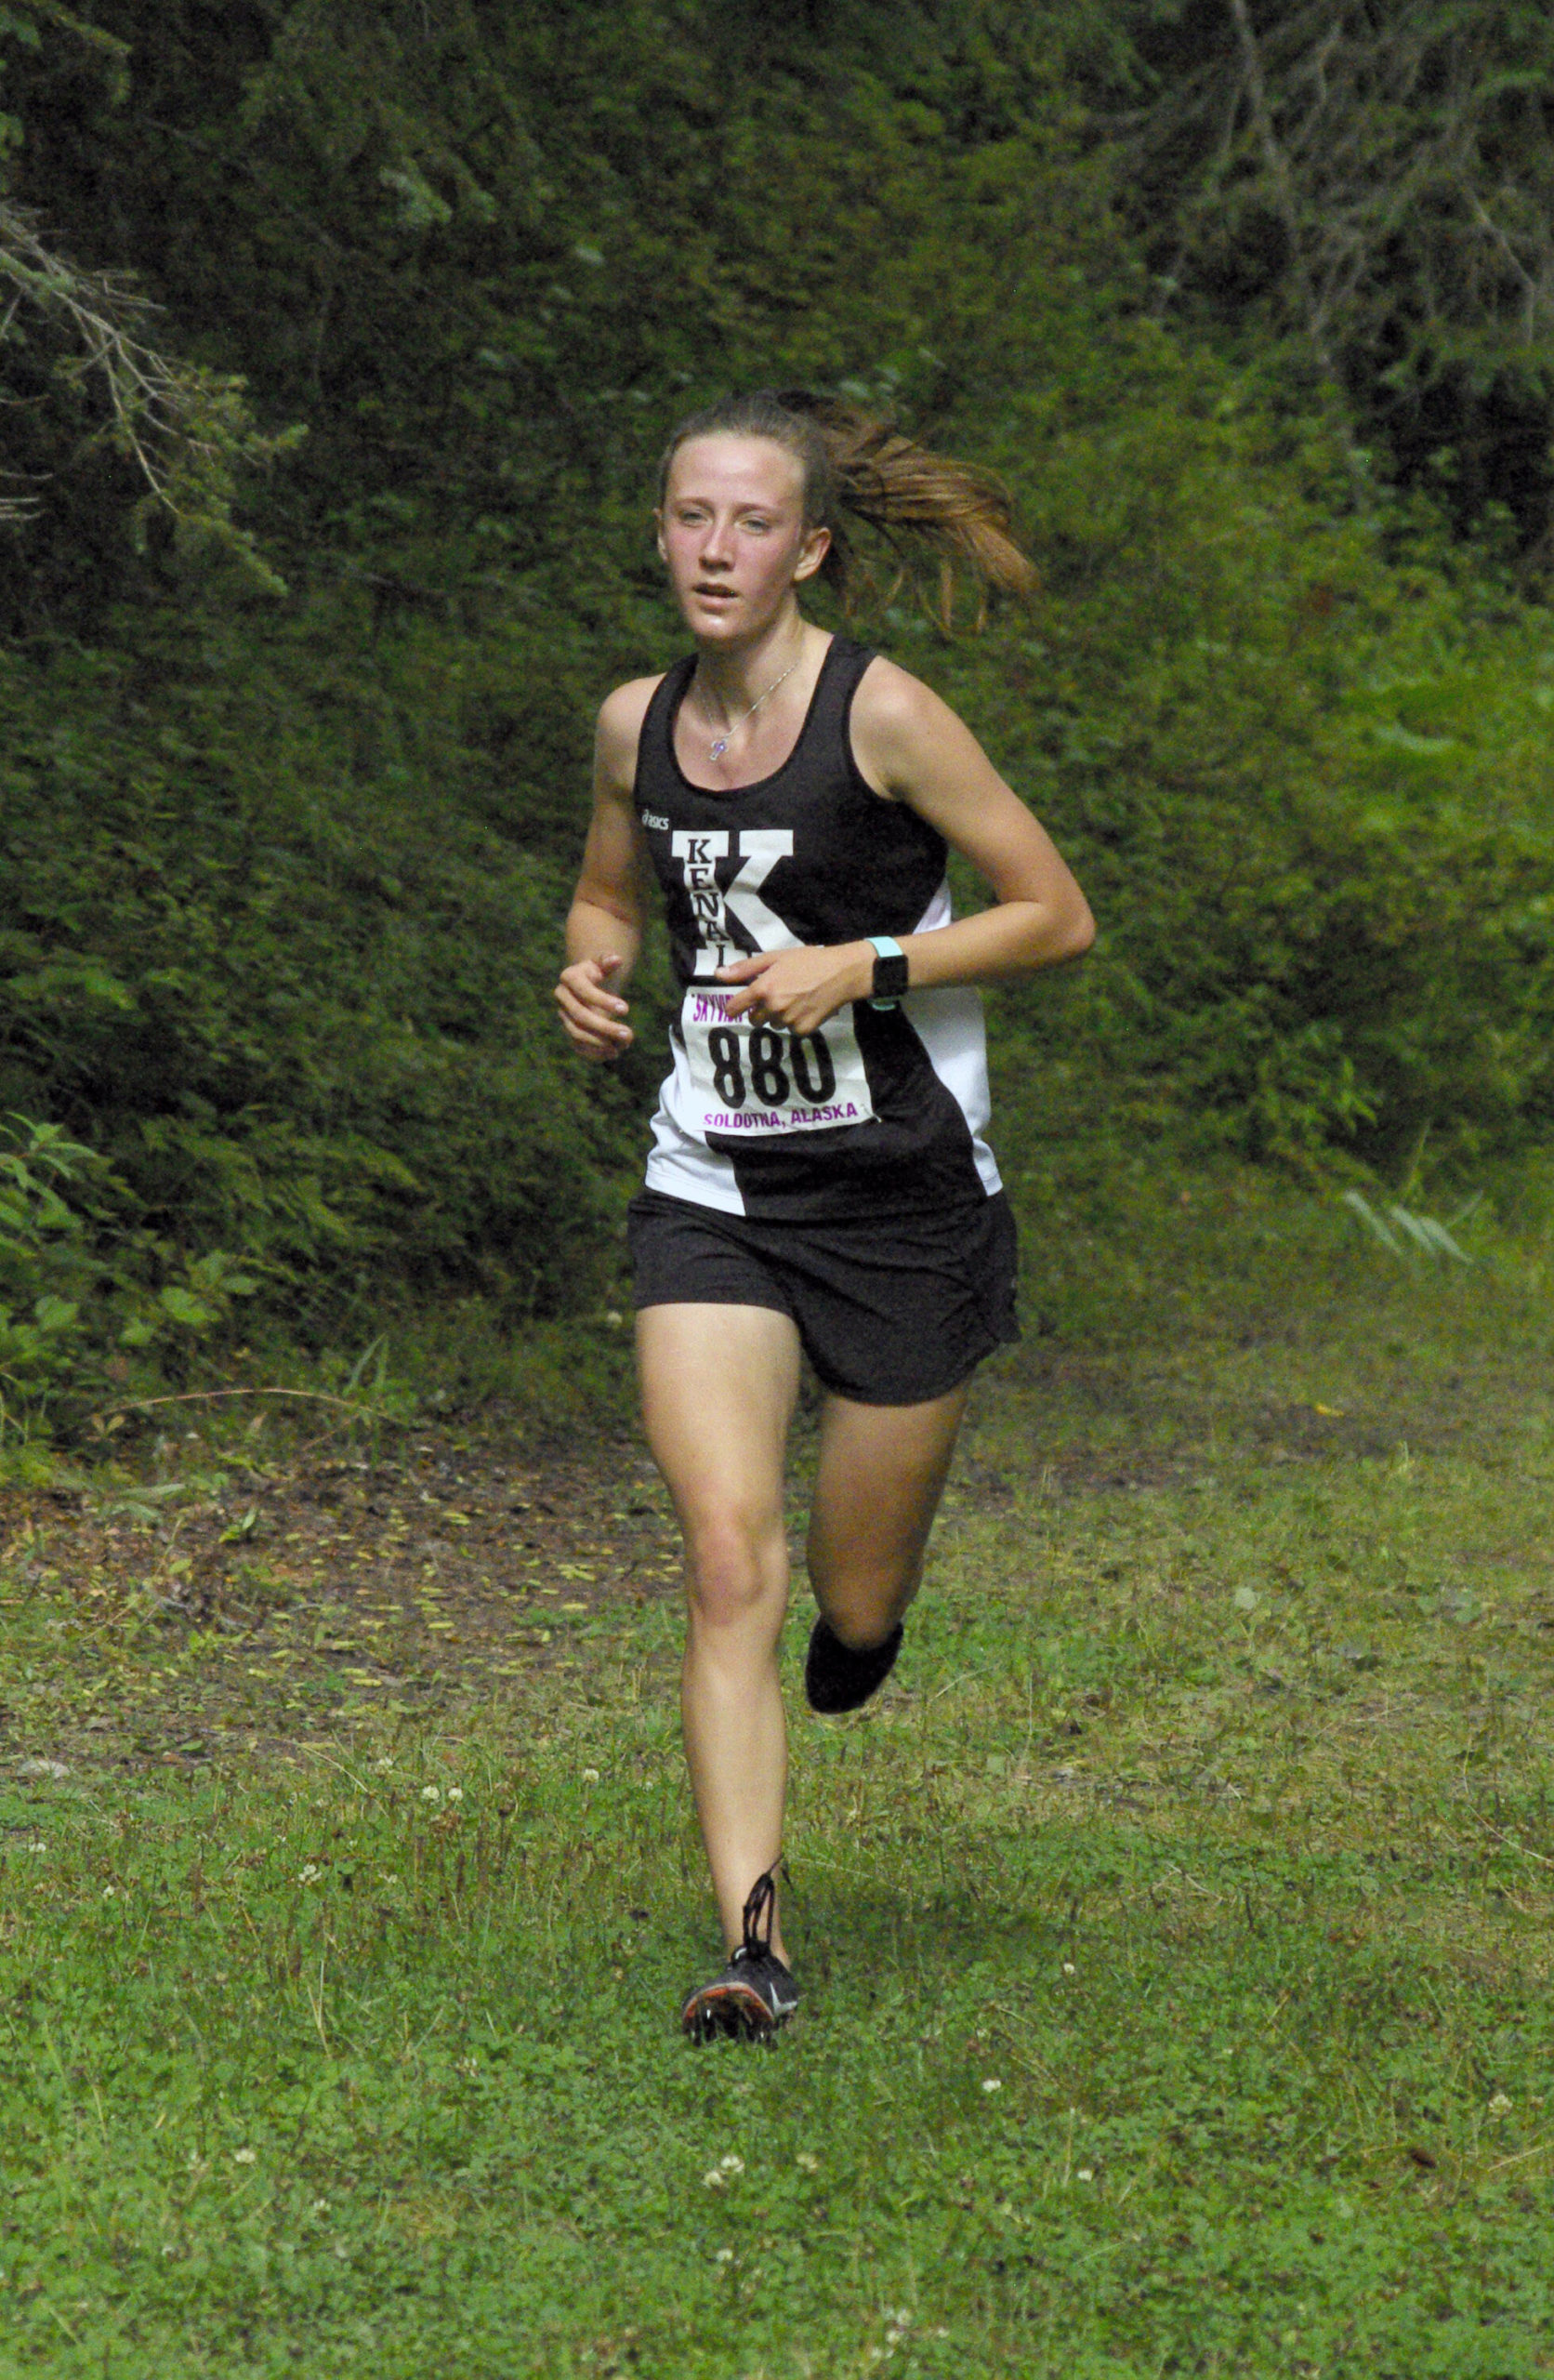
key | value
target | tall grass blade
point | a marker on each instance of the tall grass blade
(1370, 1220)
(1402, 1231)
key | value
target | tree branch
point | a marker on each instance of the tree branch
(185, 430)
(1284, 184)
(1279, 174)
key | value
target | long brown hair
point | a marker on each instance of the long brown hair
(854, 463)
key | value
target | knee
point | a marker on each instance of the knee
(734, 1565)
(862, 1600)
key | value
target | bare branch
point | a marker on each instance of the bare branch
(1401, 147)
(1279, 174)
(186, 429)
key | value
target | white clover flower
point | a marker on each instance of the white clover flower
(245, 2156)
(111, 1892)
(993, 2084)
(732, 2163)
(1069, 1967)
(321, 2206)
(309, 1874)
(715, 2180)
(810, 2164)
(1086, 2173)
(431, 1792)
(382, 1765)
(1499, 2104)
(455, 1792)
(590, 1777)
(724, 2256)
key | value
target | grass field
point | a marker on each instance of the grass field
(1174, 1931)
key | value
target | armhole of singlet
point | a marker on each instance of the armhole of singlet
(887, 801)
(864, 654)
(658, 720)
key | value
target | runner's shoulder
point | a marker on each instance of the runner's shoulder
(622, 713)
(898, 724)
(620, 730)
(890, 700)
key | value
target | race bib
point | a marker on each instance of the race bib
(757, 1079)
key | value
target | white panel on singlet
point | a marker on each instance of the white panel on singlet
(683, 1168)
(948, 1022)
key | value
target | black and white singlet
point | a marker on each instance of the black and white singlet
(882, 1110)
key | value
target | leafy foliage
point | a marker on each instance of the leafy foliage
(1366, 189)
(284, 872)
(78, 343)
(1303, 776)
(74, 1282)
(218, 971)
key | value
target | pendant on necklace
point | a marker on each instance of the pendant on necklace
(725, 740)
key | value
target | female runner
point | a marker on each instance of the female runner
(818, 1181)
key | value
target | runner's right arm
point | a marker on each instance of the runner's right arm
(604, 925)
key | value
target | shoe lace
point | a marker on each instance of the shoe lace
(761, 1903)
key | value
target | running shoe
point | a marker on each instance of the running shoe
(838, 1679)
(756, 1993)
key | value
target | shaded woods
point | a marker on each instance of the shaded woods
(303, 638)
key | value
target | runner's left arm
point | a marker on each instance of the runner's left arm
(912, 748)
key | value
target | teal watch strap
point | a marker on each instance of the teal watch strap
(890, 973)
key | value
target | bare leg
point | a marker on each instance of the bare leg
(719, 1384)
(882, 1470)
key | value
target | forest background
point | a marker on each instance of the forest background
(339, 344)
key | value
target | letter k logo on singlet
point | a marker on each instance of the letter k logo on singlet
(711, 904)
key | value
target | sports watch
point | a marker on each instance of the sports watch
(889, 970)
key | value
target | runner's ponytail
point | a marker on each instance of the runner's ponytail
(856, 465)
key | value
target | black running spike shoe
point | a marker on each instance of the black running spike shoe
(838, 1679)
(756, 1994)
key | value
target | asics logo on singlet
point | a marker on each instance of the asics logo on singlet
(711, 904)
(651, 818)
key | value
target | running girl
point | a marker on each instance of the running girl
(818, 1180)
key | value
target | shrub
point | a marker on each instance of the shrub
(78, 1286)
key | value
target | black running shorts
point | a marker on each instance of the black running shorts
(888, 1313)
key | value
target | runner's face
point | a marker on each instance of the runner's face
(731, 531)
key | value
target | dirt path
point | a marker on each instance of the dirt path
(212, 1606)
(200, 1606)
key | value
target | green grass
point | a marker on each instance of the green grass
(1175, 1933)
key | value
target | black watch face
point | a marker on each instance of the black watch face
(889, 976)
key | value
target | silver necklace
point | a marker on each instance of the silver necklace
(721, 744)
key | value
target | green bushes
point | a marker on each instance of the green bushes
(282, 881)
(1299, 757)
(45, 1267)
(300, 1009)
(82, 1294)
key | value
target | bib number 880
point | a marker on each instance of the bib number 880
(777, 1064)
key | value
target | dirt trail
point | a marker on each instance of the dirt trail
(254, 1609)
(208, 1607)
